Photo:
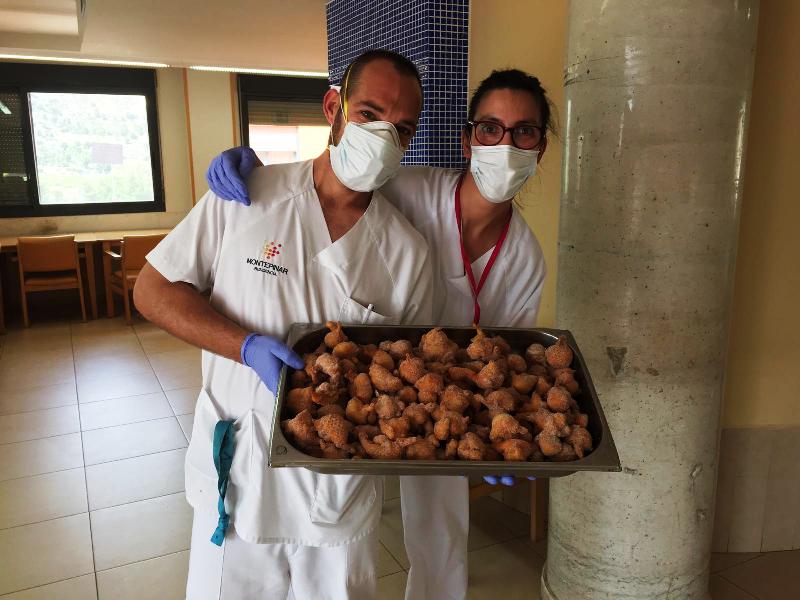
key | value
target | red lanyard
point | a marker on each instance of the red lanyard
(476, 289)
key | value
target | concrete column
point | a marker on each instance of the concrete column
(657, 99)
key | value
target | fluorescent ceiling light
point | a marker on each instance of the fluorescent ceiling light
(87, 61)
(261, 71)
(4, 109)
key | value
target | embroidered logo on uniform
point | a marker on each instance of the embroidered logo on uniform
(264, 264)
(271, 249)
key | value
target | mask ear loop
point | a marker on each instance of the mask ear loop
(342, 89)
(343, 96)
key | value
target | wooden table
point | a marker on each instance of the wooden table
(86, 241)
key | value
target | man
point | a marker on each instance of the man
(316, 244)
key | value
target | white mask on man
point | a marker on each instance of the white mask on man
(367, 155)
(501, 171)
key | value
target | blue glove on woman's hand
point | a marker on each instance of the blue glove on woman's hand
(504, 479)
(227, 173)
(266, 356)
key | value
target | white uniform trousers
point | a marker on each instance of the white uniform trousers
(436, 526)
(240, 570)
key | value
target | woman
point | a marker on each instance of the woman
(489, 269)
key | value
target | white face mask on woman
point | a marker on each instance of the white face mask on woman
(501, 171)
(367, 155)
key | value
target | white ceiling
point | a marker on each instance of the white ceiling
(54, 24)
(261, 34)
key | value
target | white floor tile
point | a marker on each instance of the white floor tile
(722, 589)
(178, 359)
(392, 587)
(183, 400)
(386, 562)
(102, 347)
(492, 522)
(102, 326)
(133, 479)
(181, 377)
(26, 370)
(391, 487)
(117, 386)
(771, 576)
(122, 363)
(98, 338)
(38, 398)
(23, 378)
(162, 578)
(38, 424)
(391, 531)
(34, 555)
(136, 439)
(186, 422)
(42, 497)
(37, 362)
(78, 588)
(511, 571)
(14, 343)
(141, 530)
(34, 457)
(156, 341)
(121, 411)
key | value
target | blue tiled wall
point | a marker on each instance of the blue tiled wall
(434, 35)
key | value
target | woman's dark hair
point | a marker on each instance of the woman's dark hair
(513, 79)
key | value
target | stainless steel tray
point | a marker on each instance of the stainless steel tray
(307, 337)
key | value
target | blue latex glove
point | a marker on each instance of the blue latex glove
(266, 356)
(227, 173)
(504, 479)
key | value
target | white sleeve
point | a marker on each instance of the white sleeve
(419, 308)
(191, 251)
(413, 191)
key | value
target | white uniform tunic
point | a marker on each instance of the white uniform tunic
(436, 509)
(512, 293)
(268, 266)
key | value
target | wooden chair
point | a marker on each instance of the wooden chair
(131, 257)
(46, 264)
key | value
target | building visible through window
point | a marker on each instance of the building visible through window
(282, 132)
(91, 148)
(78, 141)
(282, 117)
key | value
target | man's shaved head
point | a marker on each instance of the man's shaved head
(400, 63)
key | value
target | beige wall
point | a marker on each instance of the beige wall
(211, 120)
(763, 375)
(502, 36)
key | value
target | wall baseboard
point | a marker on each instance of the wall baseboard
(758, 490)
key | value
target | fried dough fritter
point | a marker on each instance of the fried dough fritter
(436, 401)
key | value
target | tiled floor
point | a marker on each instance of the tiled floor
(94, 423)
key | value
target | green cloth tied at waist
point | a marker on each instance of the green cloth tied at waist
(223, 457)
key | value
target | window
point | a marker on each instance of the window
(78, 140)
(282, 118)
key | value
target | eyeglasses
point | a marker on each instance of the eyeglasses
(524, 137)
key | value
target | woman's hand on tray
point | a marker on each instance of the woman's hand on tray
(266, 355)
(504, 479)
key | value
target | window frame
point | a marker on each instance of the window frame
(25, 78)
(275, 87)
